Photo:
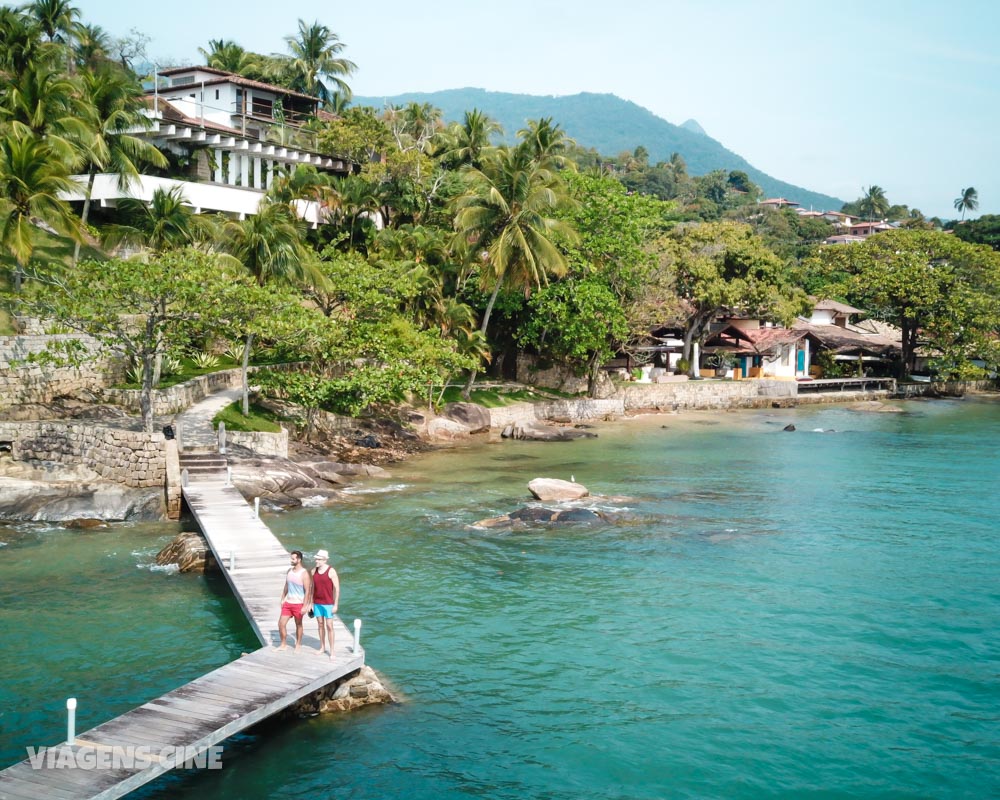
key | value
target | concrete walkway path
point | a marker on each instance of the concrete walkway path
(196, 431)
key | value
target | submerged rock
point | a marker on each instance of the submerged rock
(534, 515)
(545, 433)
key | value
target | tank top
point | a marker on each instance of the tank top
(296, 586)
(322, 588)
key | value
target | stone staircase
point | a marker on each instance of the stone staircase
(203, 466)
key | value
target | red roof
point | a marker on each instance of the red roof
(231, 77)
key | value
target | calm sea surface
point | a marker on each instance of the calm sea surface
(807, 614)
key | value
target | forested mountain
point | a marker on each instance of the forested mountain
(610, 125)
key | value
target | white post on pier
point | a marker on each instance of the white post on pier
(232, 560)
(222, 438)
(71, 721)
(256, 508)
(184, 477)
(229, 476)
(356, 648)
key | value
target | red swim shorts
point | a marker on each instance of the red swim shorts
(292, 610)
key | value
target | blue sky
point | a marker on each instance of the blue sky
(831, 96)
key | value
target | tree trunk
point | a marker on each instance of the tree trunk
(18, 275)
(146, 395)
(593, 370)
(467, 391)
(85, 214)
(243, 375)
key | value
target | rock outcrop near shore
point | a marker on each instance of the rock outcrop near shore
(45, 492)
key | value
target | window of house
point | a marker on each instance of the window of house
(216, 94)
(262, 107)
(784, 356)
(184, 80)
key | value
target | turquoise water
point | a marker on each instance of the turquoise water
(807, 614)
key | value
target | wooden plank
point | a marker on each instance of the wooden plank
(24, 785)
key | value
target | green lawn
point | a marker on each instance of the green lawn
(260, 419)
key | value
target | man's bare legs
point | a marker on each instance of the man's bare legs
(283, 632)
(328, 624)
(299, 630)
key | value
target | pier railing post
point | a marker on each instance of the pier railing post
(356, 648)
(232, 560)
(229, 476)
(222, 438)
(184, 477)
(71, 721)
(256, 508)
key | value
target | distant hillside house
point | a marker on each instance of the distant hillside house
(779, 202)
(231, 137)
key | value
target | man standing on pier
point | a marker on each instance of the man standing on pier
(296, 598)
(326, 595)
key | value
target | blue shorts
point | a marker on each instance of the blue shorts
(323, 612)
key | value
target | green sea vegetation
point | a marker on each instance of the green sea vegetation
(447, 253)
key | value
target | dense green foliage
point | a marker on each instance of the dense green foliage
(447, 250)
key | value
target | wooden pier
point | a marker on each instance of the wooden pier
(173, 728)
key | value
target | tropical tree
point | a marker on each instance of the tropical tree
(115, 102)
(136, 307)
(167, 222)
(969, 201)
(316, 61)
(717, 266)
(93, 46)
(227, 55)
(31, 182)
(547, 142)
(465, 143)
(508, 215)
(57, 19)
(932, 286)
(873, 203)
(269, 244)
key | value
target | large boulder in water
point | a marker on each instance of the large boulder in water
(554, 490)
(442, 429)
(190, 552)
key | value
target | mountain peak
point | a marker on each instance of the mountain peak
(693, 126)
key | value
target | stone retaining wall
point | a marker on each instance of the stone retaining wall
(943, 388)
(133, 458)
(175, 399)
(756, 393)
(22, 382)
(262, 443)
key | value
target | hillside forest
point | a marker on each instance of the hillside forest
(445, 253)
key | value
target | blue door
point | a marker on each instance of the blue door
(801, 361)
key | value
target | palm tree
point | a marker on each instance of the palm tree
(166, 223)
(115, 102)
(93, 44)
(20, 43)
(227, 55)
(57, 19)
(315, 58)
(969, 201)
(873, 203)
(467, 142)
(506, 214)
(269, 244)
(31, 180)
(44, 103)
(546, 142)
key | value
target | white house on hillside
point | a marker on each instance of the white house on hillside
(235, 136)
